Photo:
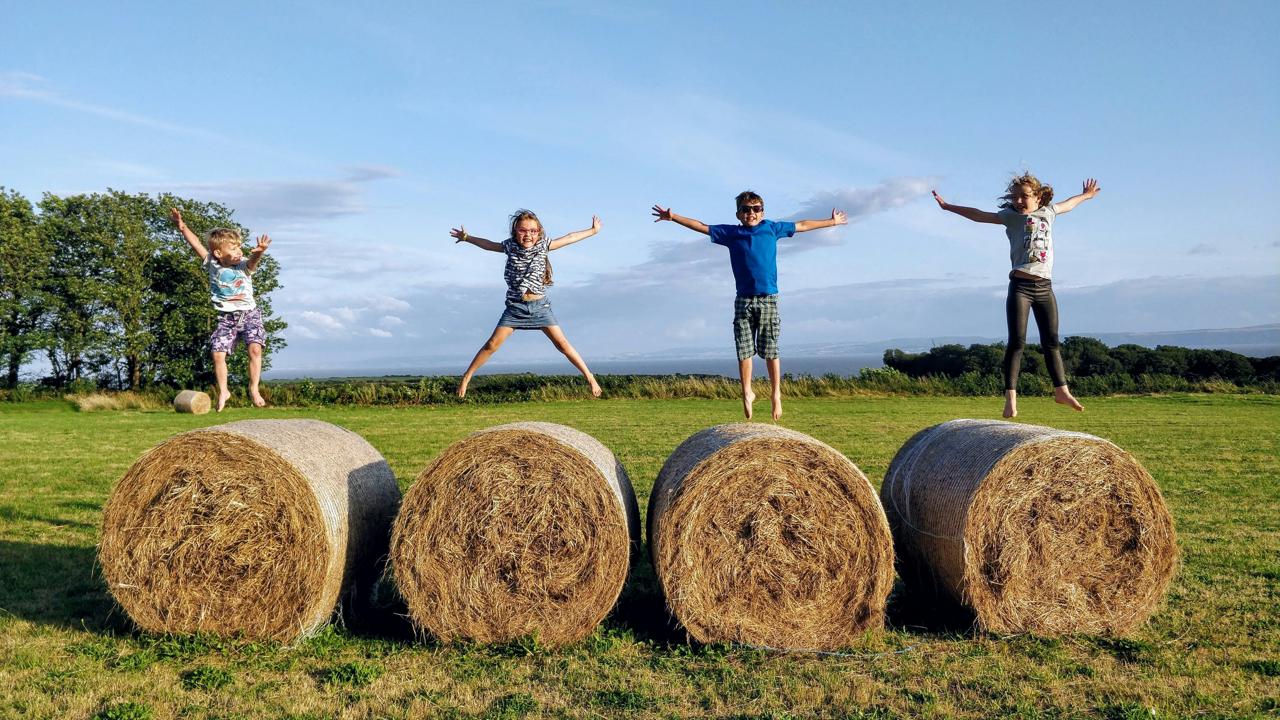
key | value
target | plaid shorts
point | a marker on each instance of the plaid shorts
(756, 326)
(235, 325)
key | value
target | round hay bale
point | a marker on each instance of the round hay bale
(768, 537)
(192, 401)
(518, 530)
(1033, 529)
(254, 527)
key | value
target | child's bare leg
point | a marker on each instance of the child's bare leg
(775, 385)
(220, 372)
(255, 374)
(562, 344)
(1010, 403)
(1063, 396)
(748, 397)
(486, 351)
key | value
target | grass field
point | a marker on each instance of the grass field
(1212, 651)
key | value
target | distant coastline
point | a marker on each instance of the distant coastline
(809, 359)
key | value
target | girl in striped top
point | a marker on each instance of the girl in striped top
(528, 272)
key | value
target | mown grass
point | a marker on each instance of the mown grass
(1212, 651)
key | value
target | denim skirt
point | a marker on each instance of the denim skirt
(531, 315)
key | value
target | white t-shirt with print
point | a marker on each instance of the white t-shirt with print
(230, 288)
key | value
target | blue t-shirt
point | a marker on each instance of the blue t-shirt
(753, 253)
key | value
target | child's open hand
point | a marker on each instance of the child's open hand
(460, 233)
(1090, 188)
(595, 223)
(176, 215)
(941, 203)
(660, 213)
(838, 217)
(264, 241)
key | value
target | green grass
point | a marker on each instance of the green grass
(1212, 650)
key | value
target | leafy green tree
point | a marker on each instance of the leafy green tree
(24, 266)
(1086, 356)
(130, 303)
(77, 338)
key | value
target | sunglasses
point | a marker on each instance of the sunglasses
(744, 209)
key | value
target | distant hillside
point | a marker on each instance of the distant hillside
(1256, 341)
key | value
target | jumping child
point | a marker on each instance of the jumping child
(528, 272)
(1027, 212)
(753, 255)
(231, 290)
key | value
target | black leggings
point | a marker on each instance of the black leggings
(1036, 295)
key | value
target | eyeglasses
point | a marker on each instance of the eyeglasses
(744, 209)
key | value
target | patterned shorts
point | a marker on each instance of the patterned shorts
(237, 325)
(756, 326)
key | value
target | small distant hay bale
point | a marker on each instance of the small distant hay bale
(525, 529)
(255, 528)
(192, 401)
(1033, 529)
(768, 537)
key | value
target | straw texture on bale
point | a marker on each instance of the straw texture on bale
(254, 527)
(520, 529)
(768, 537)
(1033, 529)
(192, 401)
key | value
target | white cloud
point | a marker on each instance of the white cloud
(386, 303)
(320, 323)
(345, 314)
(390, 321)
(379, 333)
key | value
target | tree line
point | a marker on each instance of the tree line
(1087, 357)
(106, 291)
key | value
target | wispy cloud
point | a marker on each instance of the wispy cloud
(291, 204)
(858, 203)
(1204, 249)
(34, 88)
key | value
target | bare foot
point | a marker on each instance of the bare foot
(748, 397)
(776, 402)
(1063, 396)
(223, 397)
(1010, 407)
(258, 400)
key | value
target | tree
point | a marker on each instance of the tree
(130, 305)
(24, 267)
(77, 339)
(1084, 356)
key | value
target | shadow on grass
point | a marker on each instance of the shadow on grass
(57, 585)
(641, 609)
(926, 611)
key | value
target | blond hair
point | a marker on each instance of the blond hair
(1044, 192)
(221, 238)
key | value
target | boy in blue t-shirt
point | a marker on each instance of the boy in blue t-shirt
(753, 254)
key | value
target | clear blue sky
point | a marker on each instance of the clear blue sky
(358, 137)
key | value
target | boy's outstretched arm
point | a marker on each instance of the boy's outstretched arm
(1088, 193)
(660, 213)
(255, 255)
(574, 237)
(837, 218)
(462, 236)
(192, 239)
(973, 214)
